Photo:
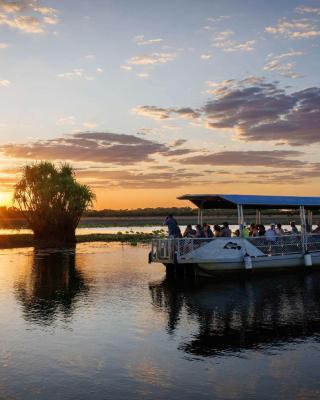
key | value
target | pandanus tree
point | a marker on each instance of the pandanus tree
(51, 200)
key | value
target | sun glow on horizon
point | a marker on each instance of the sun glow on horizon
(5, 199)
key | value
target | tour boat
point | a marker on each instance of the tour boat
(222, 254)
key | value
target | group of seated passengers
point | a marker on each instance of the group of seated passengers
(205, 231)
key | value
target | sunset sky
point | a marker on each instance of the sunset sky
(150, 99)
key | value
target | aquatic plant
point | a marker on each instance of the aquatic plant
(51, 200)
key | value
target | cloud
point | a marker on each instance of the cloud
(90, 125)
(142, 41)
(273, 159)
(27, 16)
(5, 82)
(296, 176)
(143, 75)
(256, 110)
(102, 147)
(231, 46)
(69, 120)
(159, 113)
(212, 21)
(179, 142)
(140, 180)
(218, 19)
(206, 56)
(3, 46)
(126, 67)
(223, 41)
(275, 63)
(152, 112)
(99, 70)
(308, 10)
(152, 59)
(302, 28)
(265, 112)
(76, 73)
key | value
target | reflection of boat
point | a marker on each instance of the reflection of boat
(243, 314)
(211, 255)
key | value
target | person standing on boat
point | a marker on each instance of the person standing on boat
(226, 231)
(172, 225)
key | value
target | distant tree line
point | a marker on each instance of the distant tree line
(11, 212)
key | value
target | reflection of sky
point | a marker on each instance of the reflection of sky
(147, 69)
(114, 341)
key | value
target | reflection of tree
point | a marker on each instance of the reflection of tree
(243, 314)
(51, 286)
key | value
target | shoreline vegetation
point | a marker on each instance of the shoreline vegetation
(28, 240)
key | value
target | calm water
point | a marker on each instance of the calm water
(103, 324)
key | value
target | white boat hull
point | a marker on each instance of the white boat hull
(259, 263)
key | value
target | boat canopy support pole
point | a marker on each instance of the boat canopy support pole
(303, 228)
(303, 219)
(258, 217)
(309, 220)
(200, 216)
(240, 218)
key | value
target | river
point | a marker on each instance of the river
(98, 322)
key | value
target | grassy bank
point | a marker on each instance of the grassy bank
(21, 240)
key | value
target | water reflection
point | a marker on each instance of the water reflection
(50, 287)
(257, 313)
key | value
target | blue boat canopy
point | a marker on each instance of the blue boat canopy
(218, 201)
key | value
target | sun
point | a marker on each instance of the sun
(5, 198)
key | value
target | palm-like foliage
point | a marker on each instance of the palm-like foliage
(51, 200)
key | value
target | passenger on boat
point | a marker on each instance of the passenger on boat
(199, 232)
(317, 229)
(172, 225)
(189, 232)
(225, 231)
(236, 233)
(245, 232)
(207, 231)
(217, 230)
(279, 230)
(253, 230)
(262, 230)
(271, 233)
(294, 229)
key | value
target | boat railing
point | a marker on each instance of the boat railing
(167, 249)
(186, 246)
(287, 244)
(162, 250)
